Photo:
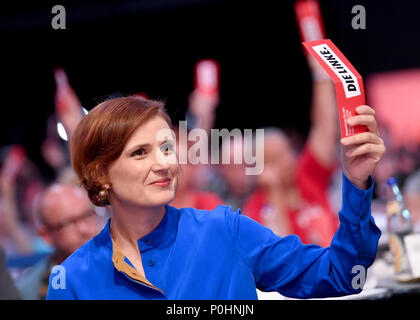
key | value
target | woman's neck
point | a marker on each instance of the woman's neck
(129, 223)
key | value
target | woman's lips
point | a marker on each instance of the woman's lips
(161, 182)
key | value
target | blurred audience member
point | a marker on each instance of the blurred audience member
(19, 185)
(8, 290)
(13, 236)
(66, 220)
(231, 180)
(67, 104)
(386, 168)
(228, 181)
(292, 195)
(411, 193)
(188, 193)
(399, 161)
(54, 150)
(67, 176)
(201, 111)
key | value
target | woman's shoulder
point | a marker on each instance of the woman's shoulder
(220, 214)
(217, 211)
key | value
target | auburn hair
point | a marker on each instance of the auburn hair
(101, 136)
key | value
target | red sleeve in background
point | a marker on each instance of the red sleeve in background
(320, 223)
(253, 206)
(313, 178)
(206, 200)
(313, 221)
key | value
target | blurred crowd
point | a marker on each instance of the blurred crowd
(298, 192)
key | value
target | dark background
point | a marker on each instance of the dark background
(152, 46)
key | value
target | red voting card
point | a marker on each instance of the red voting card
(348, 82)
(309, 20)
(207, 76)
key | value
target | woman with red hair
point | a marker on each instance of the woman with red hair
(125, 159)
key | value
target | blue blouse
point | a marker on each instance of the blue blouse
(222, 254)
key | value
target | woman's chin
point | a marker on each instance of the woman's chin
(162, 197)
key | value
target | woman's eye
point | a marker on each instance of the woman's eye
(167, 148)
(139, 152)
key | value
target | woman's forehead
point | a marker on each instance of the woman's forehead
(148, 133)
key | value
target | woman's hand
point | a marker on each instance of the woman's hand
(363, 151)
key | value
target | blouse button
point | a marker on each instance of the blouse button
(151, 263)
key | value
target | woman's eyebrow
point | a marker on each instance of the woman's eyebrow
(165, 141)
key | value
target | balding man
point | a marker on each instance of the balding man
(66, 220)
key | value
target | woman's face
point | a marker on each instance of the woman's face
(145, 173)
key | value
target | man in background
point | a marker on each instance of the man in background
(66, 220)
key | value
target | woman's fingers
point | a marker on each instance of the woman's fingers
(365, 137)
(366, 142)
(366, 117)
(364, 109)
(365, 120)
(362, 151)
(367, 148)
